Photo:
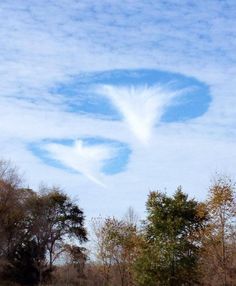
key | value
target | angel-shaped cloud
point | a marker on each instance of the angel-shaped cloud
(141, 106)
(86, 159)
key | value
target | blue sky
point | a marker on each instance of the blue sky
(112, 99)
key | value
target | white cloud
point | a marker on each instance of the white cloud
(141, 107)
(84, 159)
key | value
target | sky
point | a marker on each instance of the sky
(113, 99)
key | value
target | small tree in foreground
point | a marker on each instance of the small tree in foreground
(118, 245)
(169, 256)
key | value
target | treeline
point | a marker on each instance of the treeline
(180, 242)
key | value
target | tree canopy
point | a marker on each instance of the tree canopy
(171, 233)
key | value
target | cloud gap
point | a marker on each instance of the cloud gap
(91, 157)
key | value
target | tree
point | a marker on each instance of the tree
(11, 207)
(10, 174)
(15, 248)
(219, 237)
(171, 233)
(34, 228)
(54, 219)
(13, 221)
(22, 263)
(118, 246)
(75, 258)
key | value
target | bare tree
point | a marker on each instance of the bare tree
(10, 174)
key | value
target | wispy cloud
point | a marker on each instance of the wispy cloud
(87, 160)
(141, 107)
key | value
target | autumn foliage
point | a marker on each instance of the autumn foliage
(180, 242)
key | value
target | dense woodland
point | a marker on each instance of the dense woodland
(43, 239)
